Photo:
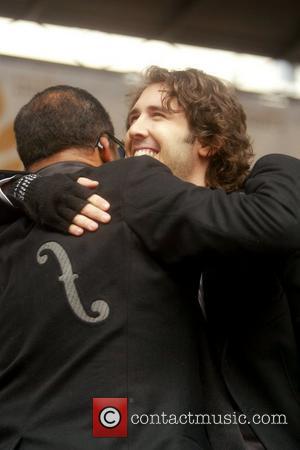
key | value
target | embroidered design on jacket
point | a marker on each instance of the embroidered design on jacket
(67, 278)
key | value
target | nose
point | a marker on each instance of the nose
(137, 132)
(138, 129)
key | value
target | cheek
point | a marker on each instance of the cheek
(170, 140)
(162, 134)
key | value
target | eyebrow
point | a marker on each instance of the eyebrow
(150, 108)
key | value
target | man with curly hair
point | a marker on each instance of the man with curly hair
(211, 117)
(193, 123)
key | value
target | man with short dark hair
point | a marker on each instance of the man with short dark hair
(59, 118)
(164, 248)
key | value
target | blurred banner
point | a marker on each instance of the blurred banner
(8, 156)
(273, 120)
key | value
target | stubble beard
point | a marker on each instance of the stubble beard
(181, 164)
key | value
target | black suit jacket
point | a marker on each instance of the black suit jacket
(291, 283)
(145, 268)
(253, 315)
(252, 330)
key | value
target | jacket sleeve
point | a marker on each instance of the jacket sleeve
(4, 174)
(291, 283)
(175, 219)
(8, 212)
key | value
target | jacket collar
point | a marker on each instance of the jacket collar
(62, 167)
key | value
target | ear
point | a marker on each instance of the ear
(203, 152)
(209, 150)
(107, 153)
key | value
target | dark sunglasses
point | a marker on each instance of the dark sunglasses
(120, 145)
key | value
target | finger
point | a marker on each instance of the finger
(75, 230)
(99, 202)
(94, 213)
(85, 223)
(87, 182)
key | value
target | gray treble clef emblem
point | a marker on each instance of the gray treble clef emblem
(67, 277)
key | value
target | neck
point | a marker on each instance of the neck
(197, 175)
(198, 179)
(86, 156)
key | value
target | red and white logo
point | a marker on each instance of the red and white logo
(110, 417)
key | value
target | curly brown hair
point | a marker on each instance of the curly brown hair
(215, 117)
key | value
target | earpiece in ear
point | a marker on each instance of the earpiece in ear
(99, 145)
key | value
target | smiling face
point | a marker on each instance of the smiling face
(164, 134)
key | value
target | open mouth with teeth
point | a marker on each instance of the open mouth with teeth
(146, 151)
